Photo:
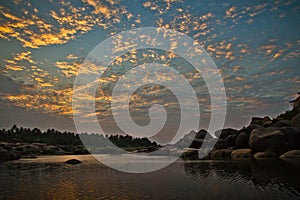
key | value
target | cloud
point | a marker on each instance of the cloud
(68, 69)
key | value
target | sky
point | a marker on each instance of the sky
(254, 44)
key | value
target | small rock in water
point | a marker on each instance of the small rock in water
(241, 153)
(291, 154)
(263, 155)
(73, 161)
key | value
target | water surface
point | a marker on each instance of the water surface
(48, 177)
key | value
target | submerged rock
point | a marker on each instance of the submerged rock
(261, 155)
(73, 161)
(291, 154)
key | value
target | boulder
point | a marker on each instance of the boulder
(231, 140)
(191, 154)
(220, 154)
(224, 133)
(201, 134)
(251, 127)
(4, 155)
(267, 124)
(296, 121)
(259, 121)
(242, 140)
(291, 154)
(296, 103)
(282, 123)
(186, 140)
(264, 139)
(222, 144)
(241, 153)
(73, 161)
(14, 155)
(196, 144)
(292, 136)
(261, 155)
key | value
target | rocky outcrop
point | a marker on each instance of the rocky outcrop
(15, 150)
(262, 138)
(6, 155)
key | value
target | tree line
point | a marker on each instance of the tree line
(55, 137)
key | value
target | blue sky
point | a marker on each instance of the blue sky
(255, 44)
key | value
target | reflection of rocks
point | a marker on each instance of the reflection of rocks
(276, 172)
(198, 170)
(262, 173)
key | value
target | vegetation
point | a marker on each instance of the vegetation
(55, 137)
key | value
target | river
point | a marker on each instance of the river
(47, 177)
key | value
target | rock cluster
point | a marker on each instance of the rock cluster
(15, 150)
(263, 138)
